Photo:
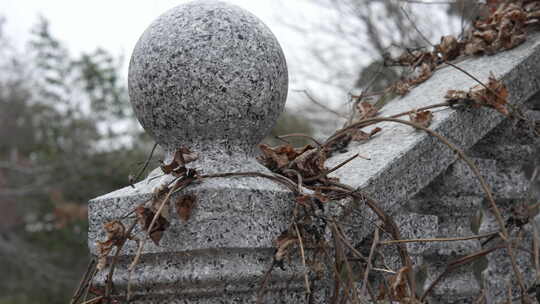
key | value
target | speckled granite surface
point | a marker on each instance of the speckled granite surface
(211, 77)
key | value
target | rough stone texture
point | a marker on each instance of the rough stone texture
(209, 76)
(416, 179)
(399, 151)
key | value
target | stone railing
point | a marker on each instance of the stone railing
(210, 76)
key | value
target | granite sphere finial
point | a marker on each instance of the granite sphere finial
(209, 76)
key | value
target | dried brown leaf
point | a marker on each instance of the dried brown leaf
(402, 87)
(184, 206)
(359, 135)
(115, 232)
(103, 250)
(177, 167)
(366, 110)
(449, 47)
(495, 97)
(310, 163)
(423, 118)
(116, 236)
(145, 216)
(279, 157)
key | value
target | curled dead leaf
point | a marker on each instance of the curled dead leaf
(397, 287)
(145, 216)
(449, 47)
(309, 164)
(279, 157)
(493, 95)
(359, 135)
(366, 110)
(423, 118)
(116, 236)
(184, 206)
(177, 167)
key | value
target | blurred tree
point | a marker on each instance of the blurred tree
(349, 41)
(56, 152)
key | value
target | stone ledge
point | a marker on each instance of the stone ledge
(403, 160)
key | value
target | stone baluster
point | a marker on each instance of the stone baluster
(210, 77)
(513, 148)
(457, 200)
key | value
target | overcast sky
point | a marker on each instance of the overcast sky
(116, 25)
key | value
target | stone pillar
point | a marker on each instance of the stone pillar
(210, 77)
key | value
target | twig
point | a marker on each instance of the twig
(454, 264)
(415, 27)
(325, 173)
(298, 175)
(82, 284)
(370, 259)
(145, 165)
(306, 278)
(483, 184)
(108, 286)
(89, 283)
(348, 270)
(300, 135)
(390, 226)
(94, 300)
(186, 181)
(313, 100)
(281, 179)
(448, 239)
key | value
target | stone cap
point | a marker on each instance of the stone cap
(209, 76)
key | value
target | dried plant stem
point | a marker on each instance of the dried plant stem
(374, 246)
(340, 256)
(300, 135)
(433, 106)
(142, 242)
(484, 185)
(89, 284)
(390, 226)
(313, 100)
(145, 165)
(456, 263)
(303, 255)
(323, 174)
(279, 179)
(448, 239)
(94, 300)
(83, 283)
(108, 286)
(266, 278)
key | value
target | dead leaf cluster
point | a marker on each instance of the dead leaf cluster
(493, 95)
(177, 167)
(307, 161)
(503, 26)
